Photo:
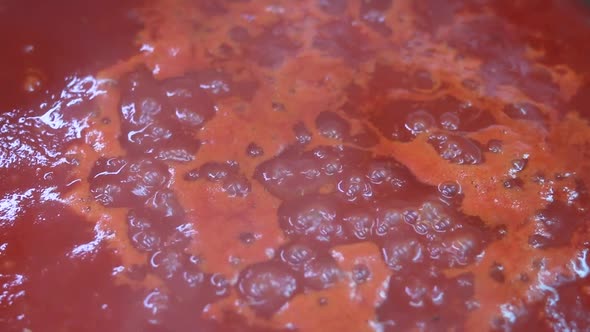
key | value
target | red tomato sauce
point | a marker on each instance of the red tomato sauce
(317, 165)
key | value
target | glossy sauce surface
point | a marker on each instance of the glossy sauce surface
(318, 165)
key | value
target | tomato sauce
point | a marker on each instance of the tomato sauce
(317, 165)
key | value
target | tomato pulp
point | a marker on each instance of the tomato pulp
(318, 165)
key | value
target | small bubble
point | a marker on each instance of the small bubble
(332, 125)
(523, 111)
(419, 121)
(539, 178)
(501, 231)
(518, 165)
(562, 176)
(192, 175)
(457, 149)
(33, 81)
(220, 282)
(515, 183)
(278, 107)
(247, 238)
(538, 263)
(234, 260)
(156, 302)
(497, 272)
(237, 186)
(28, 49)
(450, 121)
(254, 150)
(495, 146)
(449, 189)
(193, 278)
(360, 273)
(472, 305)
(302, 134)
(194, 259)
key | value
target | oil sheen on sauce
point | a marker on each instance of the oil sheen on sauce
(311, 165)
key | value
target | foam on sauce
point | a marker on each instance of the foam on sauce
(319, 165)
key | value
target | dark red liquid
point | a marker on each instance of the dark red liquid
(329, 165)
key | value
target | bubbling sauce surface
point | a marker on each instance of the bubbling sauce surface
(316, 165)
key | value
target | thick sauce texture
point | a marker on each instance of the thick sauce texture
(310, 165)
